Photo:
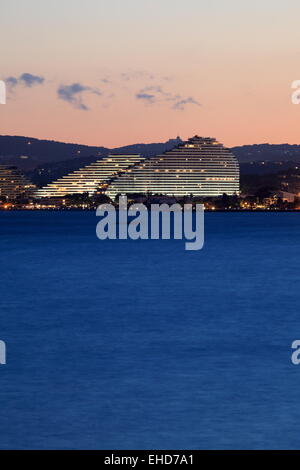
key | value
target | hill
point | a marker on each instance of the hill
(46, 160)
(27, 152)
(267, 152)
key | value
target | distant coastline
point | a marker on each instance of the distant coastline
(206, 210)
(269, 176)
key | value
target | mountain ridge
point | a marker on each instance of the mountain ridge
(46, 160)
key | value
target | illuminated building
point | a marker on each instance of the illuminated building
(13, 183)
(201, 167)
(90, 178)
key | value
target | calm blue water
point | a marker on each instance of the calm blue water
(141, 344)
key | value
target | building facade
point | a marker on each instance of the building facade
(200, 166)
(90, 178)
(13, 183)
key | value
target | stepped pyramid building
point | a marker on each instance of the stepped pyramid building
(13, 183)
(201, 167)
(90, 178)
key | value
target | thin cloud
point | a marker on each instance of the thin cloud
(29, 80)
(73, 94)
(182, 103)
(26, 79)
(11, 82)
(156, 94)
(146, 97)
(136, 75)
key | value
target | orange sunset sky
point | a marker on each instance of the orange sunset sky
(118, 72)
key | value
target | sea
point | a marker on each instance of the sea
(123, 344)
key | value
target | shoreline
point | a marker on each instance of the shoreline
(206, 210)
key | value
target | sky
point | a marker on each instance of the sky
(118, 72)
